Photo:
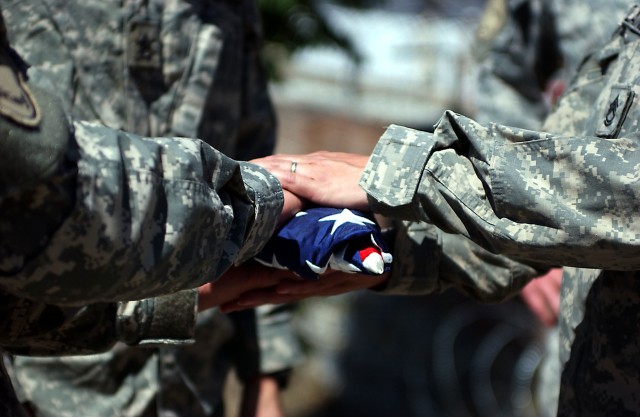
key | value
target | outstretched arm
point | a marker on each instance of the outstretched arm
(126, 217)
(291, 290)
(533, 196)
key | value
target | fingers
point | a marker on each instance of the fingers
(256, 298)
(247, 277)
(237, 281)
(292, 290)
(542, 296)
(540, 308)
(298, 288)
(551, 291)
(292, 205)
(292, 171)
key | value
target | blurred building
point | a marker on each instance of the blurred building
(413, 67)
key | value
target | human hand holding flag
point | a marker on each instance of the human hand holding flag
(321, 239)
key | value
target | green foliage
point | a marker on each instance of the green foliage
(290, 25)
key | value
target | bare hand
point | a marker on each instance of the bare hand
(289, 291)
(327, 179)
(292, 205)
(542, 295)
(237, 281)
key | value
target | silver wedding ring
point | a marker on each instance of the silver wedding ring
(294, 167)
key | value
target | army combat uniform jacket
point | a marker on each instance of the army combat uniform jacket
(119, 216)
(567, 195)
(532, 49)
(530, 57)
(168, 68)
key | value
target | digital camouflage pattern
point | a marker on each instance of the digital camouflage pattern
(566, 195)
(536, 44)
(529, 57)
(157, 68)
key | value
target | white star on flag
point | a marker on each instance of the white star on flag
(323, 238)
(316, 268)
(345, 216)
(274, 263)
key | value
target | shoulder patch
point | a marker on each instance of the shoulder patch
(16, 100)
(615, 113)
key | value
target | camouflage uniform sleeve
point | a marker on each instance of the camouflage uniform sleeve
(163, 320)
(510, 86)
(428, 260)
(528, 195)
(267, 196)
(151, 217)
(36, 328)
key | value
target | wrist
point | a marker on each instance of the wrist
(205, 299)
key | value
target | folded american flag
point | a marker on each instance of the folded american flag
(327, 238)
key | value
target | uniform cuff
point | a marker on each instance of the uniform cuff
(268, 198)
(158, 321)
(392, 175)
(417, 250)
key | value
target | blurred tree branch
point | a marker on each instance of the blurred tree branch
(290, 25)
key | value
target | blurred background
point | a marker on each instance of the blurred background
(344, 70)
(341, 72)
